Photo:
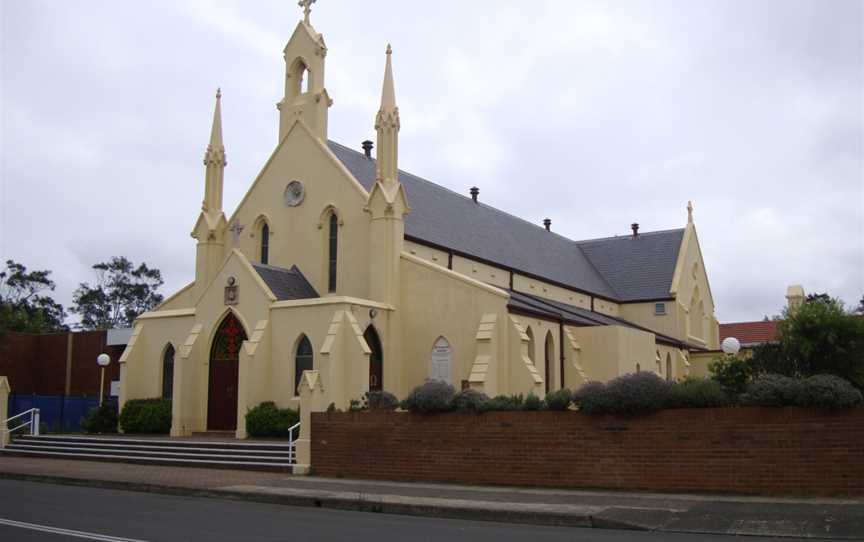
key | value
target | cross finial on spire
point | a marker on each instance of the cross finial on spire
(218, 92)
(307, 8)
(689, 212)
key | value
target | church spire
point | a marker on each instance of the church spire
(387, 126)
(215, 162)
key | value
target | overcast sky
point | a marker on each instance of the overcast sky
(595, 114)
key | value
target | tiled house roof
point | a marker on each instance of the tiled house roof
(751, 333)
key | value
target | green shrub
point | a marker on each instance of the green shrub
(146, 416)
(732, 373)
(102, 419)
(828, 392)
(469, 401)
(503, 403)
(637, 393)
(591, 398)
(694, 392)
(380, 400)
(532, 402)
(431, 396)
(772, 390)
(559, 400)
(268, 420)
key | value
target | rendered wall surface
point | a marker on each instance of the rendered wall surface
(783, 451)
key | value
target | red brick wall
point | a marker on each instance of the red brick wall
(742, 450)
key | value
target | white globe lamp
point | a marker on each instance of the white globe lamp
(103, 360)
(730, 346)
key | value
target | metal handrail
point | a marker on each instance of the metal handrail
(20, 414)
(291, 429)
(33, 422)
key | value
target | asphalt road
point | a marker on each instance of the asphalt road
(32, 511)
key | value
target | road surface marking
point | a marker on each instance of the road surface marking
(67, 532)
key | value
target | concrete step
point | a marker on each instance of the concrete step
(279, 447)
(191, 453)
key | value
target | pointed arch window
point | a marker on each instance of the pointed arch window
(168, 373)
(530, 343)
(265, 243)
(303, 360)
(333, 247)
(549, 357)
(669, 367)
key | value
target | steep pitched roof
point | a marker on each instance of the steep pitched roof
(285, 283)
(442, 217)
(638, 267)
(751, 333)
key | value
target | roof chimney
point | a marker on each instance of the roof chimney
(635, 227)
(548, 223)
(474, 193)
(367, 148)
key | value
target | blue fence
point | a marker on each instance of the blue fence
(58, 413)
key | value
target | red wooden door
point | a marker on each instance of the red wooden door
(224, 371)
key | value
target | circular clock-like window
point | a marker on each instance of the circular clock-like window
(294, 193)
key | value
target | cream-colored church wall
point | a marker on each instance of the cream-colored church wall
(182, 299)
(441, 303)
(143, 367)
(540, 330)
(540, 288)
(433, 255)
(671, 371)
(691, 277)
(606, 307)
(315, 319)
(482, 272)
(299, 235)
(610, 351)
(668, 324)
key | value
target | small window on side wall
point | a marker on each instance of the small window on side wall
(659, 309)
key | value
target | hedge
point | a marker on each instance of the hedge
(146, 416)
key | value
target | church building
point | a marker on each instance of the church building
(337, 261)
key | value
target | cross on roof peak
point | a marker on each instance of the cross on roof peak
(307, 8)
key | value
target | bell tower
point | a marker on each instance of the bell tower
(305, 97)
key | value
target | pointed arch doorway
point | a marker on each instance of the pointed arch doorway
(376, 359)
(224, 372)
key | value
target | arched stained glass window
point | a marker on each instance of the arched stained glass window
(168, 373)
(265, 243)
(302, 361)
(333, 247)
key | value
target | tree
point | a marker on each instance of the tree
(121, 293)
(819, 337)
(23, 307)
(822, 298)
(860, 308)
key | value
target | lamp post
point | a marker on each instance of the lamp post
(103, 360)
(731, 346)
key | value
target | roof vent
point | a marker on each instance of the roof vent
(367, 148)
(635, 227)
(548, 224)
(474, 193)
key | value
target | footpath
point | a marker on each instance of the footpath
(830, 519)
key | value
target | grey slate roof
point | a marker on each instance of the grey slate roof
(442, 217)
(636, 268)
(285, 283)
